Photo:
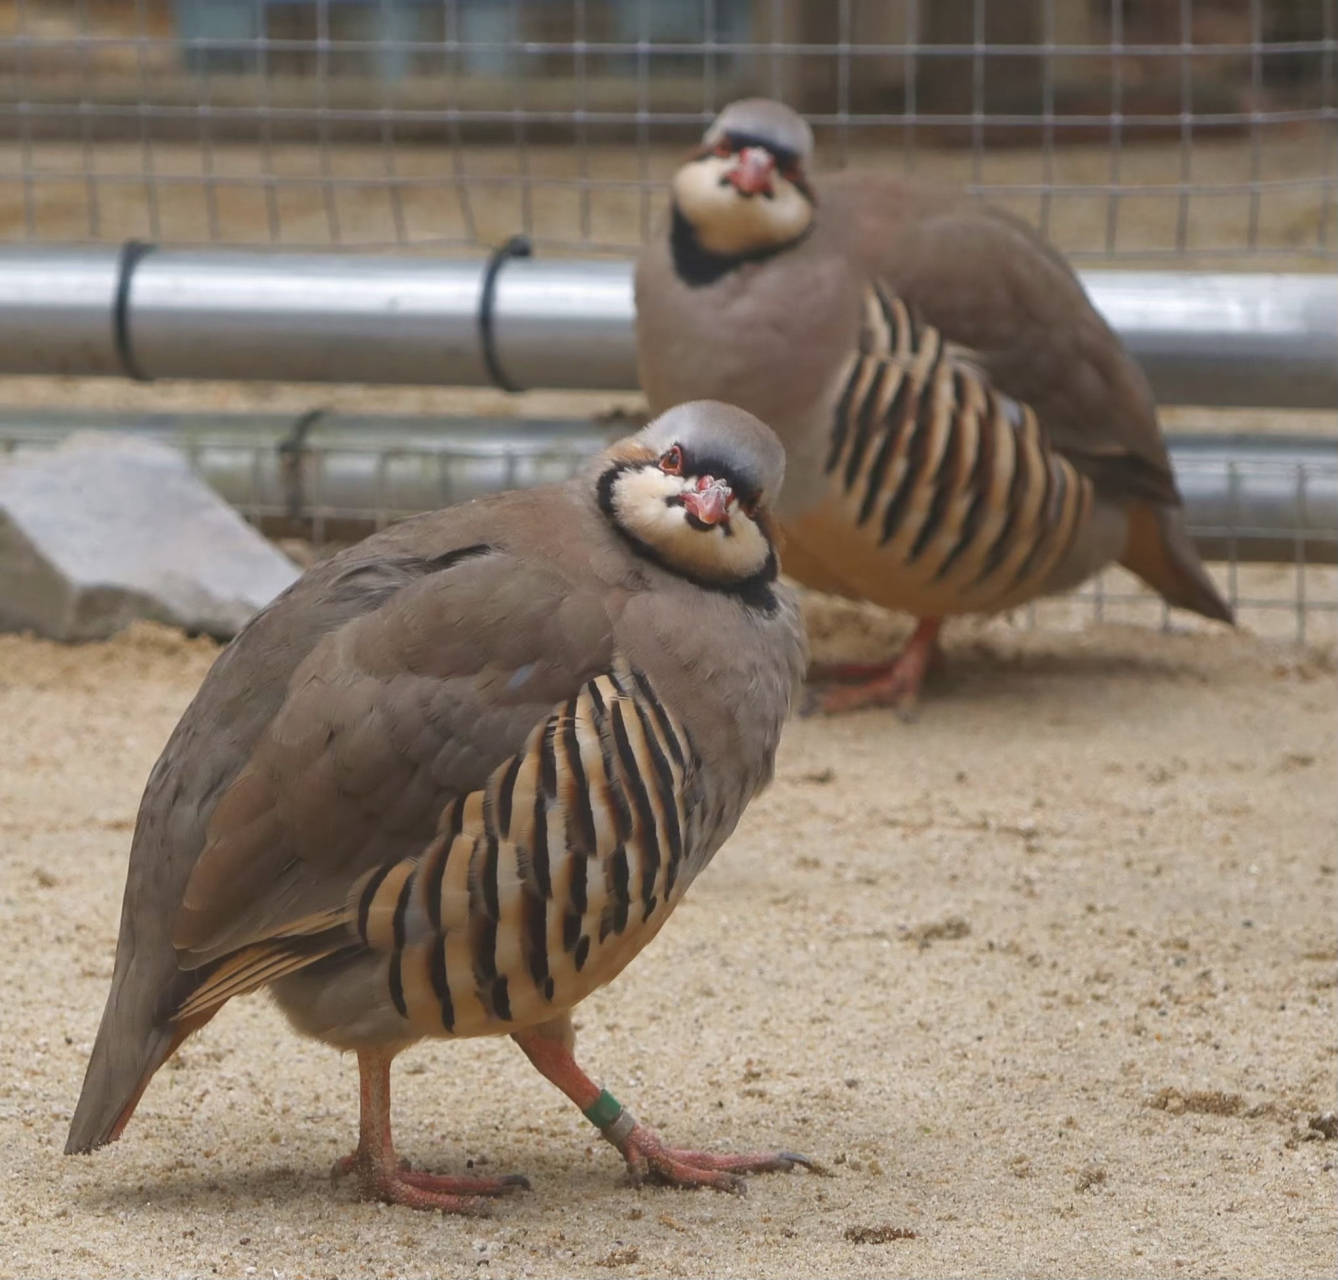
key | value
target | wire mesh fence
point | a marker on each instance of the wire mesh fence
(1151, 131)
(1124, 128)
(1267, 523)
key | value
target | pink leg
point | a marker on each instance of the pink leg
(645, 1154)
(383, 1177)
(895, 685)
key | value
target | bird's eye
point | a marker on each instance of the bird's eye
(790, 172)
(671, 461)
(749, 508)
(722, 148)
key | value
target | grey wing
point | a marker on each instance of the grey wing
(387, 720)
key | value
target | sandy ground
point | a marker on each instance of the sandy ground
(1045, 979)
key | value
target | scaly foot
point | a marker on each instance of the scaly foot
(648, 1157)
(397, 1183)
(549, 1048)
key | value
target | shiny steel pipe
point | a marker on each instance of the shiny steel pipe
(149, 313)
(1228, 340)
(518, 323)
(304, 318)
(566, 325)
(1269, 498)
(56, 311)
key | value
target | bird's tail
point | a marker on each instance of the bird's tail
(1160, 552)
(148, 1015)
(133, 1041)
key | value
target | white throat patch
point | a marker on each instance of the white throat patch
(723, 554)
(731, 224)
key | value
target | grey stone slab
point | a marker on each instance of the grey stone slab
(110, 528)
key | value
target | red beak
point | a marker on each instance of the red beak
(709, 502)
(752, 172)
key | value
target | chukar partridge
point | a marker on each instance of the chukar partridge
(963, 430)
(457, 777)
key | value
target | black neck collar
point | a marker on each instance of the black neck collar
(697, 266)
(755, 591)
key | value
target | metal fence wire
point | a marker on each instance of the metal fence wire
(1150, 132)
(1123, 128)
(1266, 518)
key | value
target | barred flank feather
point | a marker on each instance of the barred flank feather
(538, 888)
(952, 482)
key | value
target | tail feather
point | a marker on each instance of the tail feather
(1160, 552)
(254, 967)
(137, 1035)
(123, 1116)
(133, 1043)
(118, 1073)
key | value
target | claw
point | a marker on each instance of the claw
(647, 1156)
(468, 1186)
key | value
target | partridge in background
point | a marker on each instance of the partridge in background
(964, 432)
(457, 777)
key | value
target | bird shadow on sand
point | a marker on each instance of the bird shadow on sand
(176, 1189)
(1139, 665)
(982, 669)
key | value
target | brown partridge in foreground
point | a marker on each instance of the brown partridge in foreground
(457, 777)
(964, 431)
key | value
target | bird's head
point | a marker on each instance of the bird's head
(692, 491)
(743, 191)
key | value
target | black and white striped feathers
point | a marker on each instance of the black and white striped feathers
(951, 483)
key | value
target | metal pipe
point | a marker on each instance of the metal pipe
(567, 324)
(56, 311)
(305, 318)
(1232, 340)
(161, 313)
(1247, 498)
(1267, 498)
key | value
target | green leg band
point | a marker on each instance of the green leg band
(604, 1110)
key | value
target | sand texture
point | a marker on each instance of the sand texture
(1045, 979)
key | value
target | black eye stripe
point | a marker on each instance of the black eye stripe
(783, 156)
(702, 464)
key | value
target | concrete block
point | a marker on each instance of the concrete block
(109, 528)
